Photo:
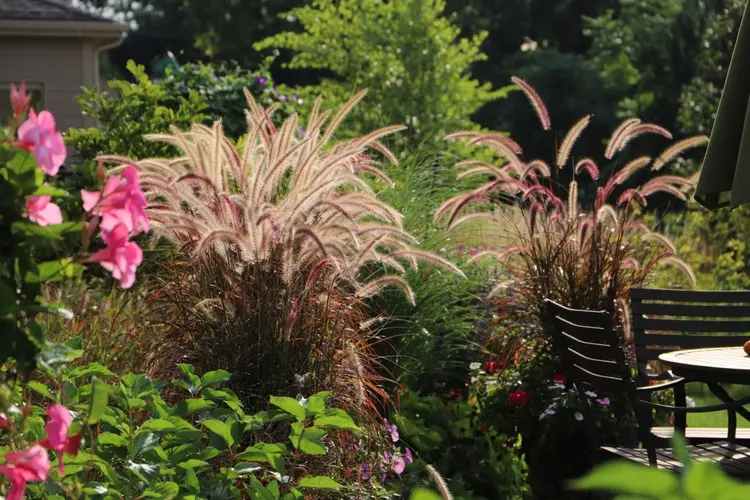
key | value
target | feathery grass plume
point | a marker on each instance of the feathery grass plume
(536, 102)
(678, 148)
(583, 254)
(616, 137)
(283, 232)
(566, 147)
(440, 483)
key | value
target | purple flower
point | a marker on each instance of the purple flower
(261, 80)
(302, 132)
(474, 251)
(408, 456)
(295, 96)
(603, 401)
(366, 473)
(283, 98)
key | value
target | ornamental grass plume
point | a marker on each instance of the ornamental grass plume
(275, 244)
(559, 246)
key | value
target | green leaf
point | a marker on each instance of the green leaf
(424, 494)
(221, 429)
(142, 443)
(110, 439)
(158, 425)
(215, 377)
(319, 483)
(191, 481)
(246, 468)
(48, 190)
(308, 440)
(294, 494)
(289, 405)
(54, 270)
(335, 418)
(8, 301)
(99, 399)
(40, 388)
(316, 405)
(191, 406)
(144, 471)
(630, 479)
(166, 490)
(91, 369)
(192, 463)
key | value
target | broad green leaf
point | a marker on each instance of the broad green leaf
(90, 369)
(110, 439)
(192, 463)
(215, 377)
(191, 406)
(424, 494)
(99, 399)
(257, 491)
(142, 443)
(144, 471)
(40, 388)
(707, 480)
(630, 479)
(319, 483)
(316, 405)
(335, 418)
(192, 382)
(191, 481)
(294, 494)
(221, 429)
(289, 405)
(308, 440)
(48, 190)
(166, 490)
(54, 270)
(246, 468)
(157, 425)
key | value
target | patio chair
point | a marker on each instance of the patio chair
(593, 360)
(668, 320)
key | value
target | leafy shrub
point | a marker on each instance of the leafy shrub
(222, 86)
(407, 53)
(133, 443)
(128, 112)
(476, 461)
(275, 243)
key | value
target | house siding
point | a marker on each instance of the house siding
(58, 64)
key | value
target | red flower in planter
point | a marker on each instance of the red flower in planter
(519, 397)
(494, 366)
(560, 379)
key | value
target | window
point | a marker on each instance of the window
(36, 90)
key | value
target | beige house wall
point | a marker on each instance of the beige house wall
(60, 65)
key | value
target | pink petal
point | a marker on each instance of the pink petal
(47, 121)
(49, 215)
(57, 427)
(90, 199)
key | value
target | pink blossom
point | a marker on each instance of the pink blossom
(41, 210)
(57, 434)
(604, 401)
(398, 465)
(121, 202)
(39, 135)
(24, 466)
(408, 456)
(4, 422)
(121, 257)
(18, 98)
(392, 430)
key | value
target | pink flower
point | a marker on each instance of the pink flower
(18, 98)
(38, 134)
(494, 366)
(408, 456)
(121, 257)
(21, 467)
(398, 465)
(604, 401)
(392, 430)
(121, 202)
(57, 434)
(519, 397)
(41, 210)
(4, 422)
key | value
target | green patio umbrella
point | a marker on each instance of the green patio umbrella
(725, 176)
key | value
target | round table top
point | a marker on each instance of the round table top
(729, 364)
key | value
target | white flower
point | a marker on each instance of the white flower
(475, 366)
(578, 415)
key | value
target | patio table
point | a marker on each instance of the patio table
(714, 366)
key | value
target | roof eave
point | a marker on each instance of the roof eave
(104, 30)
